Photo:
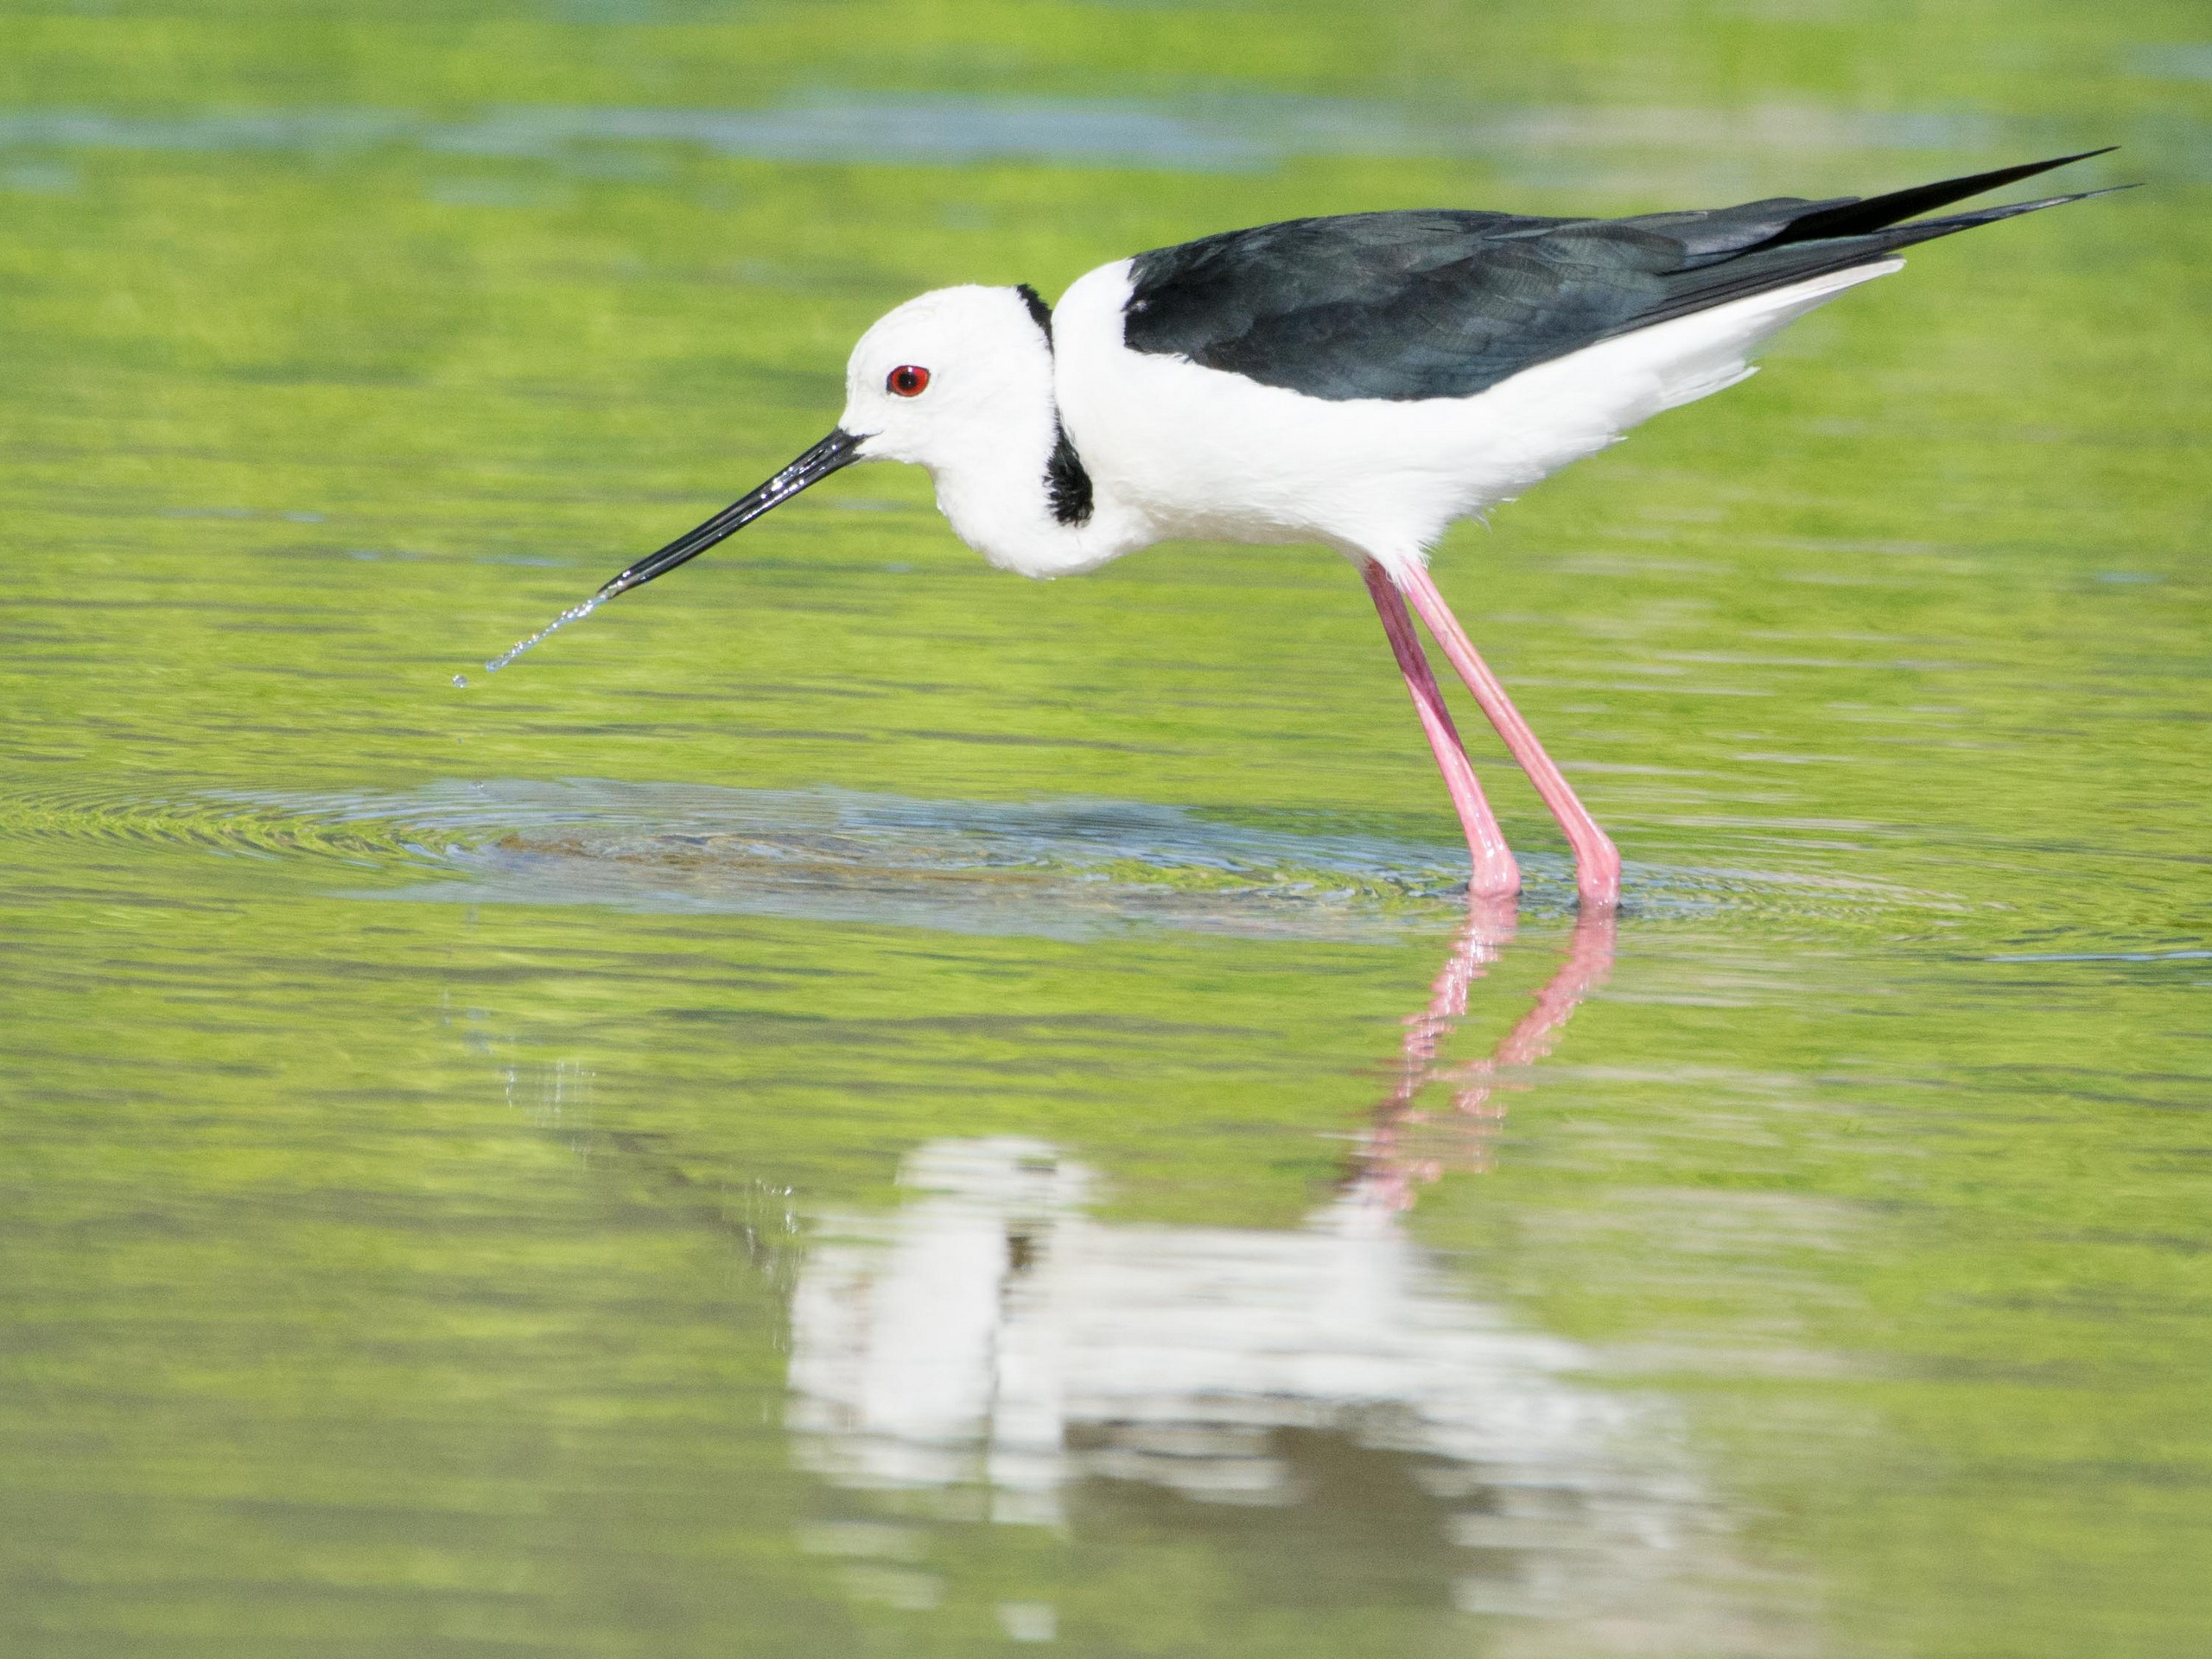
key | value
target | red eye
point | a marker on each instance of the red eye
(908, 380)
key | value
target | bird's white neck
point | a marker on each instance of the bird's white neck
(1022, 497)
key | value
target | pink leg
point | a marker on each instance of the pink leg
(1496, 874)
(1597, 865)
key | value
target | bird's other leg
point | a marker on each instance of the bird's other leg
(1597, 864)
(1496, 875)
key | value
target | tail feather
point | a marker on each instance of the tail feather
(1878, 212)
(1926, 230)
(1792, 258)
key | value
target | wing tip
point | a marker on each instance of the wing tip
(1927, 230)
(1896, 210)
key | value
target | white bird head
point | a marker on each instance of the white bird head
(959, 375)
(946, 372)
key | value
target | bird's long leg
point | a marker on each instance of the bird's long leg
(1496, 874)
(1597, 864)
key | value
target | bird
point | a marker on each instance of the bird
(1358, 380)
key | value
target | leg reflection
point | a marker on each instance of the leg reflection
(1409, 1146)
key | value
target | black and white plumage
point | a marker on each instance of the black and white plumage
(1360, 381)
(1446, 304)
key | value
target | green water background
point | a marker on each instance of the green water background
(392, 1277)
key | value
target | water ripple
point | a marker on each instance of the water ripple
(1065, 868)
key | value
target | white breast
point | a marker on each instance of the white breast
(1205, 454)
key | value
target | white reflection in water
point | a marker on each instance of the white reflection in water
(991, 1337)
(961, 1339)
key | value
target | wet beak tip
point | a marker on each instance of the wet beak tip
(839, 450)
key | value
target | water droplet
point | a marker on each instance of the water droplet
(461, 680)
(573, 614)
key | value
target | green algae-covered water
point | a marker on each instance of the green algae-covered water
(854, 1104)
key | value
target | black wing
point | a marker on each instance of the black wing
(1444, 304)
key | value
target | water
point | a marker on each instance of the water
(866, 1106)
(573, 614)
(1222, 130)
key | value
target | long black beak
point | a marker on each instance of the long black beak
(840, 449)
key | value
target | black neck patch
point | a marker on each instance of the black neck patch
(1040, 313)
(1067, 486)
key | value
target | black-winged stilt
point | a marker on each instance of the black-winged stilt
(1359, 381)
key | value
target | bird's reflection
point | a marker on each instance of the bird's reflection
(995, 1351)
(1326, 1411)
(1408, 1146)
